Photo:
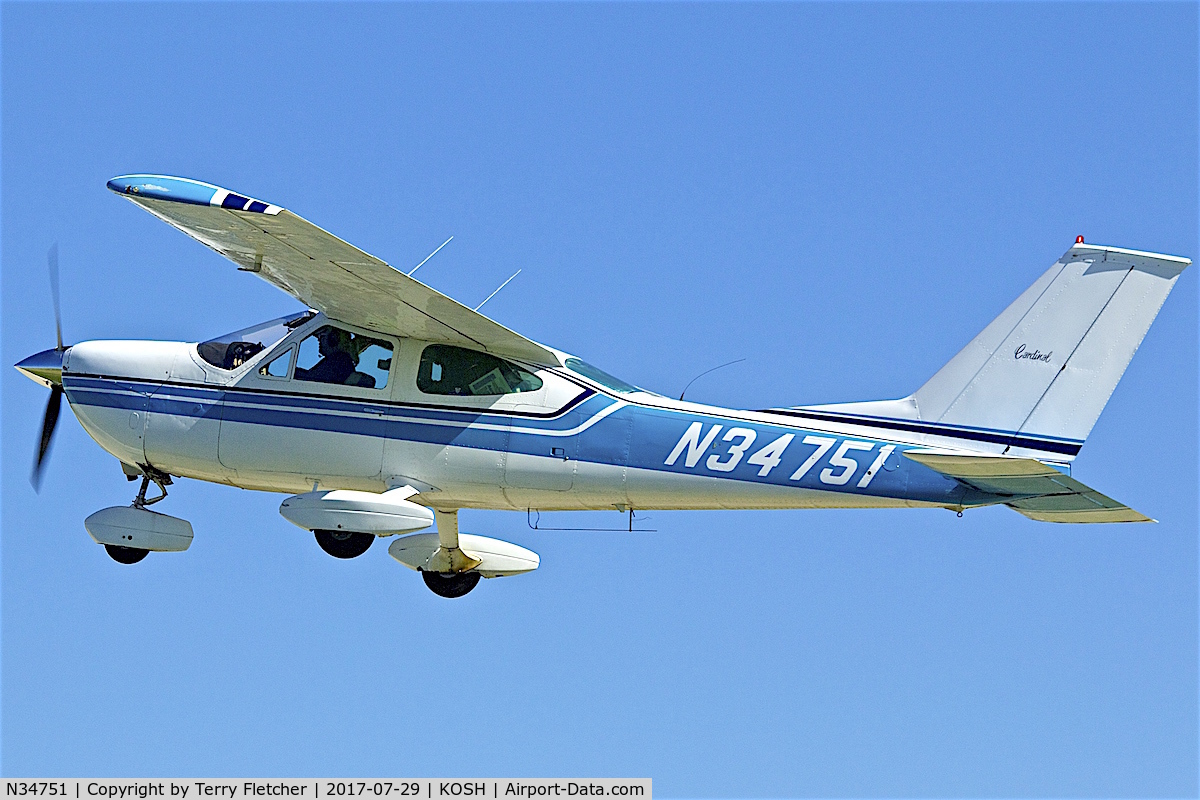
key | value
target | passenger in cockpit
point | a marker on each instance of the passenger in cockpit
(336, 364)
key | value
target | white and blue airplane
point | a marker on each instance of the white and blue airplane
(387, 407)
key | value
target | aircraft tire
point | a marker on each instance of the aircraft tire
(451, 585)
(344, 544)
(125, 555)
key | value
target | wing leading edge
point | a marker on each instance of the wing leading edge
(318, 268)
(1037, 490)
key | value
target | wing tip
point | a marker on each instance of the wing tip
(186, 190)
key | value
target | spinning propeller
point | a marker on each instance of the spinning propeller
(46, 368)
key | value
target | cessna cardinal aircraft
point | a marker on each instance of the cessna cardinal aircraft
(388, 407)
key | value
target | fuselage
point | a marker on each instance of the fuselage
(574, 442)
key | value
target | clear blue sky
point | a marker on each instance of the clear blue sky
(841, 194)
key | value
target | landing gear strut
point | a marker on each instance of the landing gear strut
(344, 544)
(449, 571)
(161, 479)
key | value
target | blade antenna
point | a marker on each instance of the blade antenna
(498, 288)
(702, 374)
(431, 255)
(52, 266)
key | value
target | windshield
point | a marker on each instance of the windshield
(600, 376)
(234, 349)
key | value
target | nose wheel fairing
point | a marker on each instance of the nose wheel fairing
(131, 527)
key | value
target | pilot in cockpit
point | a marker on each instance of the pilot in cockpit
(336, 364)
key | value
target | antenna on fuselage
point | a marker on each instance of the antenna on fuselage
(498, 288)
(702, 374)
(431, 255)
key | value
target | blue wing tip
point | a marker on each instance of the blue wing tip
(186, 190)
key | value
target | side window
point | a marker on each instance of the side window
(279, 366)
(450, 370)
(335, 355)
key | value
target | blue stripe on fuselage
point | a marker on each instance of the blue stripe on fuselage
(167, 392)
(652, 433)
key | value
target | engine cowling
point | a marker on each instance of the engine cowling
(384, 514)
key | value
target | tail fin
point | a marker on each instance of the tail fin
(1047, 366)
(1035, 380)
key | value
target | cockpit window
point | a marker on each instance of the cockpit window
(234, 349)
(334, 355)
(600, 376)
(445, 369)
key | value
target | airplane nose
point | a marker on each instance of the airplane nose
(45, 367)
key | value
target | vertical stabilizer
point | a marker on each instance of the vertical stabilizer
(1046, 367)
(1033, 383)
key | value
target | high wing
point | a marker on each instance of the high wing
(1038, 490)
(318, 268)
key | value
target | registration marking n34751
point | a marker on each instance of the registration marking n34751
(696, 442)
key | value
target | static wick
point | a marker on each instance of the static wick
(498, 288)
(431, 255)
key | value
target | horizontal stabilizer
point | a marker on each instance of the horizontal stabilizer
(1036, 490)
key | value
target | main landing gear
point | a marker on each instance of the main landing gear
(451, 564)
(449, 572)
(344, 544)
(346, 522)
(454, 584)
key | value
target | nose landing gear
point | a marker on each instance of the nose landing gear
(161, 479)
(132, 555)
(129, 533)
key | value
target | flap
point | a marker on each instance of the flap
(319, 269)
